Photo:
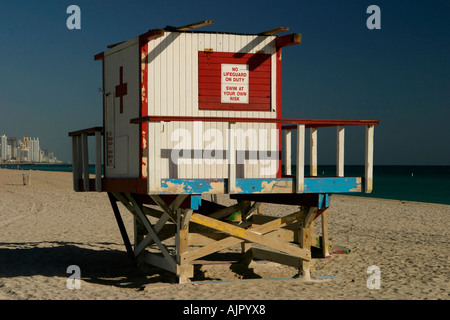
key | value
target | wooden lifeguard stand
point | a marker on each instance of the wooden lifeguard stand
(188, 115)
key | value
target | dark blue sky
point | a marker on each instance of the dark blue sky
(399, 75)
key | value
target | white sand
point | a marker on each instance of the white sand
(46, 227)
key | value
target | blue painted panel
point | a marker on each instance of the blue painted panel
(312, 185)
(324, 200)
(196, 201)
(190, 186)
(332, 185)
(249, 186)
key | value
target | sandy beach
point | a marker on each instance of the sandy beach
(46, 227)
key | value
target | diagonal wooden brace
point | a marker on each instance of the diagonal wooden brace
(148, 240)
(152, 233)
(170, 210)
(239, 235)
(129, 202)
(162, 221)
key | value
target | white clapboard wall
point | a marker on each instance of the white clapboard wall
(121, 137)
(172, 89)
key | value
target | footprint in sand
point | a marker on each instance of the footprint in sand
(14, 207)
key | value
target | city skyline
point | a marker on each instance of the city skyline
(27, 150)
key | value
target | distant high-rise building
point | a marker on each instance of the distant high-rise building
(24, 154)
(25, 142)
(12, 141)
(4, 148)
(35, 151)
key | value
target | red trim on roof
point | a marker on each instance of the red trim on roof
(315, 123)
(288, 40)
(99, 56)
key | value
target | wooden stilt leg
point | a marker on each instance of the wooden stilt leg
(325, 248)
(260, 209)
(305, 241)
(184, 269)
(306, 226)
(247, 257)
(121, 225)
(139, 232)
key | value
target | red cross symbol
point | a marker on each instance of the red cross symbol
(121, 90)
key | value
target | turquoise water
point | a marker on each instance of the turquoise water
(410, 183)
(44, 167)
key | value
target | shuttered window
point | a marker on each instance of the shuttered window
(234, 81)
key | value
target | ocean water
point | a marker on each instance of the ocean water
(409, 183)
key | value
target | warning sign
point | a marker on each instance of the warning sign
(235, 83)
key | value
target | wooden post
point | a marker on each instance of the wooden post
(325, 250)
(121, 225)
(246, 247)
(85, 154)
(98, 161)
(247, 256)
(313, 151)
(300, 176)
(369, 159)
(260, 209)
(139, 235)
(154, 156)
(340, 151)
(288, 151)
(76, 163)
(80, 160)
(184, 269)
(231, 158)
(305, 240)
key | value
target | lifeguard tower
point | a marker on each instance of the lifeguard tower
(190, 115)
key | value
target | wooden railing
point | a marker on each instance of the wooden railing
(300, 165)
(80, 149)
(80, 158)
(293, 124)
